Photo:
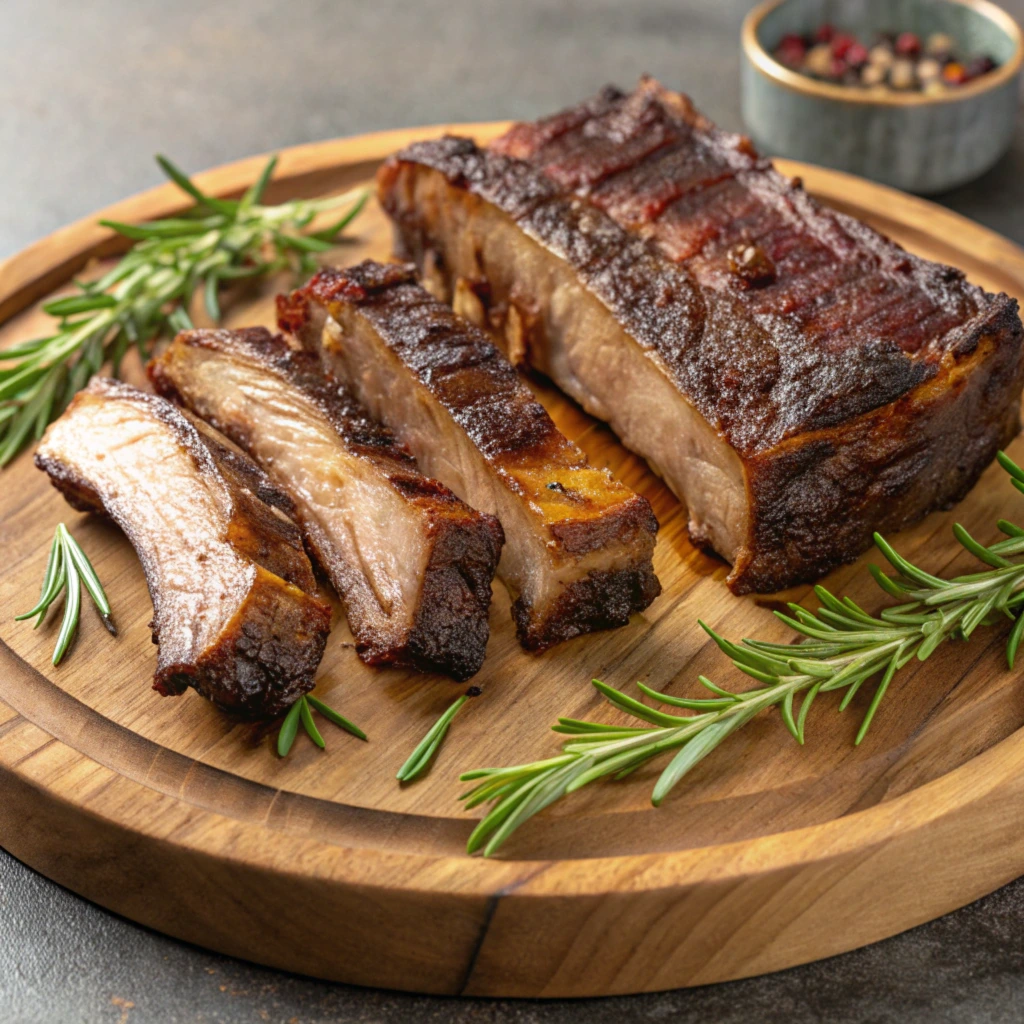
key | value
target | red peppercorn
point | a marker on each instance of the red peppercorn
(908, 44)
(791, 51)
(841, 43)
(824, 34)
(837, 68)
(857, 55)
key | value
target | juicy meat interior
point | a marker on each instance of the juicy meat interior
(578, 544)
(411, 562)
(799, 380)
(234, 608)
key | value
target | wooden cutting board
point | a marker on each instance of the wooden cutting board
(769, 855)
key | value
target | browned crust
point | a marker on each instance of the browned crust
(653, 163)
(268, 654)
(476, 384)
(836, 441)
(603, 599)
(749, 388)
(660, 169)
(818, 499)
(450, 630)
(583, 510)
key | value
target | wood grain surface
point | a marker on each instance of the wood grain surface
(768, 855)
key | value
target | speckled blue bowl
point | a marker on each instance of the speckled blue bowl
(916, 142)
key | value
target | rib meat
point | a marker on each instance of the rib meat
(234, 608)
(798, 379)
(578, 544)
(412, 564)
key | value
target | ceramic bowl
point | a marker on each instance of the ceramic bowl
(913, 141)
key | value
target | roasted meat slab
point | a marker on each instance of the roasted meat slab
(411, 562)
(234, 608)
(578, 544)
(798, 379)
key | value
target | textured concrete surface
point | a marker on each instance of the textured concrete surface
(89, 92)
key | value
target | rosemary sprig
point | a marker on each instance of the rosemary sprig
(147, 294)
(302, 710)
(67, 568)
(844, 647)
(421, 758)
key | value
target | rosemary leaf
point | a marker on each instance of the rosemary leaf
(843, 648)
(302, 710)
(420, 759)
(67, 569)
(145, 295)
(289, 727)
(72, 605)
(307, 721)
(331, 715)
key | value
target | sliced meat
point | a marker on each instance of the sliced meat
(789, 443)
(411, 562)
(234, 608)
(578, 544)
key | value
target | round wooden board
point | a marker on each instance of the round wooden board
(769, 855)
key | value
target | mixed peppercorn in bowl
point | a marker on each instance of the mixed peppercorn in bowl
(918, 94)
(892, 60)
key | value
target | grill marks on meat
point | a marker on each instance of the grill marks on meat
(659, 168)
(234, 608)
(411, 562)
(843, 387)
(578, 544)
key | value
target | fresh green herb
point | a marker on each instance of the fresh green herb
(67, 568)
(844, 647)
(148, 293)
(302, 710)
(420, 759)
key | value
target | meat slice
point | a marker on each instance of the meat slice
(790, 438)
(578, 544)
(235, 612)
(411, 562)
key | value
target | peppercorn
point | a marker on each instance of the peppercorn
(791, 51)
(901, 74)
(857, 55)
(819, 60)
(880, 55)
(954, 73)
(873, 74)
(908, 44)
(841, 43)
(939, 44)
(928, 70)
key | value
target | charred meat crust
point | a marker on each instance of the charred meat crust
(478, 386)
(660, 169)
(557, 508)
(883, 471)
(266, 655)
(603, 599)
(860, 386)
(449, 630)
(754, 388)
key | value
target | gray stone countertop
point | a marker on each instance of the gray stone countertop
(89, 92)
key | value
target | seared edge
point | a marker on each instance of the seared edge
(450, 629)
(578, 509)
(267, 655)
